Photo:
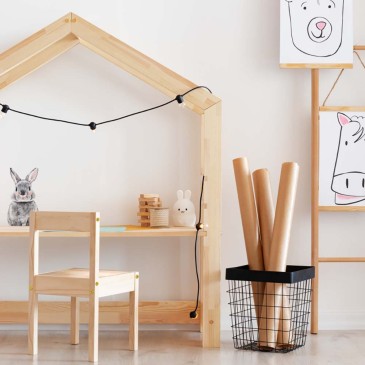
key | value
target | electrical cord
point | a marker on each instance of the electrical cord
(198, 227)
(179, 98)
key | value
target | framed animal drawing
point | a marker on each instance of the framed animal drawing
(316, 34)
(342, 157)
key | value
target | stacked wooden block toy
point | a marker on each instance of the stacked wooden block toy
(147, 201)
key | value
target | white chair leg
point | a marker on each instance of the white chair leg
(33, 323)
(93, 327)
(75, 321)
(133, 315)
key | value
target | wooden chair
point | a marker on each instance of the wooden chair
(91, 283)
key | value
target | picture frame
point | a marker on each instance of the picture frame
(316, 33)
(341, 158)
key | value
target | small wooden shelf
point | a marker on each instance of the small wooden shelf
(131, 231)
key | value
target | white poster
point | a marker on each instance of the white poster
(316, 33)
(342, 158)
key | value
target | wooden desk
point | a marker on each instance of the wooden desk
(111, 312)
(131, 231)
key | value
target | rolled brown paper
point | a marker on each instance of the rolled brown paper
(279, 251)
(250, 225)
(283, 339)
(265, 210)
(283, 216)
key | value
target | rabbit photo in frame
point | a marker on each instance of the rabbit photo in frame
(183, 211)
(22, 199)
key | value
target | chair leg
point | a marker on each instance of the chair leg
(133, 315)
(75, 321)
(93, 327)
(33, 323)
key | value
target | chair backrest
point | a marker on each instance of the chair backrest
(65, 221)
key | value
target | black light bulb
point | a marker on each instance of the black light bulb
(5, 108)
(180, 99)
(92, 126)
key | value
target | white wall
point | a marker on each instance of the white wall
(232, 47)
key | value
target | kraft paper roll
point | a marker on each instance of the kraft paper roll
(279, 252)
(283, 216)
(250, 225)
(283, 339)
(265, 210)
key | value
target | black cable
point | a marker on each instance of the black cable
(140, 112)
(198, 227)
(197, 87)
(93, 125)
(45, 118)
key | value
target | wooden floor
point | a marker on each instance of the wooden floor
(177, 348)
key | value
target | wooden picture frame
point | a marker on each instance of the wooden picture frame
(341, 161)
(316, 34)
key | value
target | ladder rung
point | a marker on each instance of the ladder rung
(346, 208)
(341, 259)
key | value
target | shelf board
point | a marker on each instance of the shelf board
(131, 231)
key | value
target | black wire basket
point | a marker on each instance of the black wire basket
(269, 309)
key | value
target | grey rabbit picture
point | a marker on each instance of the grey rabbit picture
(22, 199)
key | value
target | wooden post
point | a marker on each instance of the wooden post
(33, 296)
(210, 271)
(94, 287)
(133, 314)
(314, 198)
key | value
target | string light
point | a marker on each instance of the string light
(92, 125)
(179, 99)
(4, 110)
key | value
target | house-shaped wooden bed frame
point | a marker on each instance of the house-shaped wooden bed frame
(56, 39)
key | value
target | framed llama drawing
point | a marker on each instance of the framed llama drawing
(316, 34)
(342, 157)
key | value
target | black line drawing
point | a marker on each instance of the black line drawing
(348, 182)
(316, 26)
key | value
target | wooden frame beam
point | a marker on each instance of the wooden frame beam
(70, 30)
(111, 312)
(210, 272)
(65, 33)
(38, 59)
(35, 44)
(315, 196)
(315, 207)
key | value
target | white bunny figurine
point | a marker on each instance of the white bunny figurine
(183, 211)
(22, 199)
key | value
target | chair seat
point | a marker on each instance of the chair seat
(75, 282)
